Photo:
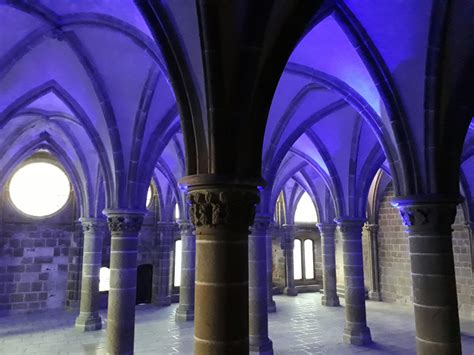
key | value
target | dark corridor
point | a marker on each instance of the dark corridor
(144, 283)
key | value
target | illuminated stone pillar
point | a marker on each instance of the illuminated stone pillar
(185, 310)
(372, 255)
(271, 306)
(124, 226)
(327, 231)
(288, 243)
(258, 287)
(162, 267)
(355, 330)
(222, 213)
(428, 221)
(93, 232)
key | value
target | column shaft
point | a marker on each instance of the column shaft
(222, 215)
(124, 227)
(185, 310)
(428, 221)
(374, 292)
(355, 330)
(162, 269)
(93, 231)
(328, 248)
(271, 303)
(287, 245)
(258, 288)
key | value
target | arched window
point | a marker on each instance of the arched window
(303, 260)
(177, 263)
(176, 212)
(149, 196)
(297, 259)
(104, 279)
(39, 189)
(305, 211)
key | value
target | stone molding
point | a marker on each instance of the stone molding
(167, 226)
(185, 227)
(225, 206)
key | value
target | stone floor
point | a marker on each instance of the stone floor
(301, 326)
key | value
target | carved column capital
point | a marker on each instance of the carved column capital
(93, 225)
(288, 236)
(426, 213)
(350, 225)
(124, 221)
(371, 228)
(261, 224)
(226, 206)
(186, 227)
(327, 229)
(165, 227)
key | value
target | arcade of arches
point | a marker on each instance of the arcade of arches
(214, 157)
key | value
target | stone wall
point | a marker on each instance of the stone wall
(39, 259)
(394, 261)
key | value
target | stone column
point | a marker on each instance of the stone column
(124, 226)
(469, 226)
(185, 310)
(373, 277)
(355, 330)
(93, 232)
(162, 267)
(271, 306)
(327, 231)
(258, 287)
(428, 221)
(288, 243)
(222, 212)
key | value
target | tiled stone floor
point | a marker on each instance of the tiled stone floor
(301, 326)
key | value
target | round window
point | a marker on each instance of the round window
(39, 189)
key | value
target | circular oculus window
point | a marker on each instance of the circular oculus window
(39, 189)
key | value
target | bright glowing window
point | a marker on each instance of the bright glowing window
(305, 211)
(177, 263)
(39, 189)
(297, 259)
(104, 279)
(149, 195)
(176, 212)
(308, 259)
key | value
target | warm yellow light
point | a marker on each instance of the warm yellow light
(39, 189)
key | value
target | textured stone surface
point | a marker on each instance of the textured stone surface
(294, 328)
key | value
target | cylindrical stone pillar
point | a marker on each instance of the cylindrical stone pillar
(93, 232)
(258, 287)
(271, 306)
(222, 213)
(428, 221)
(355, 330)
(162, 267)
(287, 244)
(185, 310)
(124, 226)
(374, 280)
(327, 231)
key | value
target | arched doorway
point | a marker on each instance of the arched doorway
(144, 283)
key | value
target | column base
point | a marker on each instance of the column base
(162, 302)
(375, 296)
(86, 322)
(357, 335)
(271, 306)
(262, 346)
(330, 301)
(290, 291)
(184, 314)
